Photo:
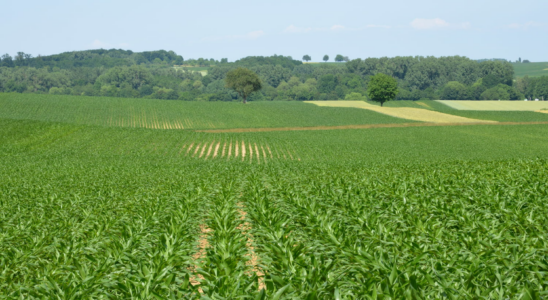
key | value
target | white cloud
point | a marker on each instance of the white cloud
(337, 27)
(422, 24)
(525, 25)
(249, 36)
(295, 29)
(437, 23)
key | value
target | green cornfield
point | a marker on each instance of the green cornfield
(92, 210)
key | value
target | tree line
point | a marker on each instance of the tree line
(120, 73)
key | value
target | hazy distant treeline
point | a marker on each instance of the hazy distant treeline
(119, 73)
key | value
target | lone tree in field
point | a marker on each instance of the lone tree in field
(382, 88)
(339, 58)
(326, 58)
(307, 58)
(243, 81)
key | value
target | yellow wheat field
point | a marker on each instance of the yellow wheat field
(409, 113)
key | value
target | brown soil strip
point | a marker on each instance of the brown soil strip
(288, 151)
(365, 126)
(253, 261)
(250, 152)
(224, 148)
(236, 150)
(216, 149)
(196, 150)
(229, 150)
(189, 147)
(209, 150)
(243, 150)
(198, 257)
(203, 150)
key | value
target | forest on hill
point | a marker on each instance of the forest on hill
(152, 74)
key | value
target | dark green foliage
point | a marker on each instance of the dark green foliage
(275, 60)
(454, 90)
(77, 73)
(382, 88)
(243, 81)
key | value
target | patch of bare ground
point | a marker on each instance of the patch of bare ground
(253, 262)
(224, 149)
(250, 152)
(366, 126)
(189, 147)
(236, 150)
(203, 150)
(198, 257)
(243, 151)
(209, 150)
(196, 150)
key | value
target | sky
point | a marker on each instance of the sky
(234, 29)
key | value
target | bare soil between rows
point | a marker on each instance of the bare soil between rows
(364, 126)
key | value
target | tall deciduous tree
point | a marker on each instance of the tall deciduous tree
(243, 81)
(326, 58)
(339, 58)
(307, 58)
(382, 88)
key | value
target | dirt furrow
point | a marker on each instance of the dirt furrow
(250, 152)
(253, 262)
(198, 257)
(236, 150)
(203, 150)
(368, 126)
(243, 151)
(257, 153)
(216, 149)
(196, 150)
(209, 150)
(189, 147)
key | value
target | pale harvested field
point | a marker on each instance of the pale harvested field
(409, 113)
(496, 105)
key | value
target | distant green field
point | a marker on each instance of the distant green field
(162, 114)
(534, 69)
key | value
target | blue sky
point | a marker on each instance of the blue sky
(235, 29)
